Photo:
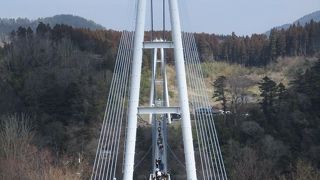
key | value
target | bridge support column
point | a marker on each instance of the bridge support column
(134, 91)
(183, 94)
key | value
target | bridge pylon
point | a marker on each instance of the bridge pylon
(134, 110)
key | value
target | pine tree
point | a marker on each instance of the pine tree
(281, 44)
(268, 90)
(281, 90)
(273, 44)
(219, 91)
(42, 29)
(29, 33)
(21, 32)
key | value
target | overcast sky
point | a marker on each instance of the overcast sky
(243, 17)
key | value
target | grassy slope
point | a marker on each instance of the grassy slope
(283, 70)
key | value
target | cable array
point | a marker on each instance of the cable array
(105, 163)
(212, 164)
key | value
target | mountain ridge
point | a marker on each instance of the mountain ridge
(9, 24)
(315, 16)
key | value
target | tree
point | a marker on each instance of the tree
(305, 171)
(280, 91)
(268, 89)
(219, 91)
(22, 32)
(308, 84)
(43, 29)
(250, 166)
(16, 133)
(273, 43)
(281, 44)
(238, 90)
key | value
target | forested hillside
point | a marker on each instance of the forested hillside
(275, 137)
(259, 50)
(54, 82)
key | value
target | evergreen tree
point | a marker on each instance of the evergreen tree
(281, 90)
(21, 32)
(43, 29)
(268, 89)
(29, 33)
(273, 44)
(309, 84)
(281, 44)
(219, 91)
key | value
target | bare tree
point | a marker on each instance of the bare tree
(19, 159)
(305, 171)
(15, 135)
(237, 87)
(249, 166)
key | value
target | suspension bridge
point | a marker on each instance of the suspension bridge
(124, 108)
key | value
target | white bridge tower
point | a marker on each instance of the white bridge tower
(183, 108)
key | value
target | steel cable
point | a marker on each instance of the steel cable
(199, 123)
(221, 163)
(204, 116)
(108, 132)
(217, 150)
(128, 79)
(189, 80)
(98, 153)
(118, 109)
(108, 146)
(113, 110)
(126, 71)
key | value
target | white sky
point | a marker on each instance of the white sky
(243, 17)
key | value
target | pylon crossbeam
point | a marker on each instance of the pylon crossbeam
(158, 45)
(158, 110)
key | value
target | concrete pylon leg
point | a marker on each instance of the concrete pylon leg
(134, 91)
(183, 94)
